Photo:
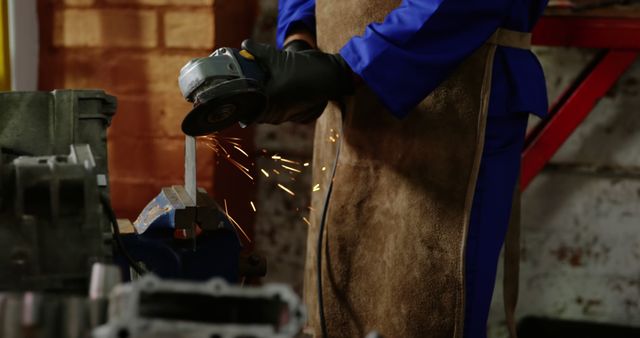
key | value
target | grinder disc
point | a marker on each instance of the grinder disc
(222, 105)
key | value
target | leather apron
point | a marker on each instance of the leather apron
(397, 217)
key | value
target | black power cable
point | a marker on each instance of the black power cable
(323, 220)
(104, 199)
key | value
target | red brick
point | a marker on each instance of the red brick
(153, 159)
(189, 29)
(138, 2)
(79, 2)
(105, 28)
(130, 197)
(150, 116)
(193, 2)
(123, 72)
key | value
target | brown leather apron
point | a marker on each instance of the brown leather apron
(397, 219)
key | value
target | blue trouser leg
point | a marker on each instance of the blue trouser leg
(490, 213)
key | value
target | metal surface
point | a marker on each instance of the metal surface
(190, 172)
(151, 307)
(571, 109)
(51, 228)
(52, 315)
(46, 123)
(173, 209)
(222, 64)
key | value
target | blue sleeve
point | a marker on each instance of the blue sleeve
(418, 45)
(292, 12)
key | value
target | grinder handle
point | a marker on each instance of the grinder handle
(250, 67)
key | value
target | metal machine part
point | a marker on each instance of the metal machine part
(46, 123)
(225, 88)
(52, 315)
(150, 307)
(50, 222)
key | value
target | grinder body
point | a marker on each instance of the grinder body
(225, 88)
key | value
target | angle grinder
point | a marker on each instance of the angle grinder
(227, 87)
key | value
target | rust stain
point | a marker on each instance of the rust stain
(571, 255)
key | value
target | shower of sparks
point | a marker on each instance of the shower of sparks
(240, 150)
(253, 206)
(226, 211)
(216, 143)
(306, 220)
(285, 189)
(265, 172)
(316, 187)
(291, 169)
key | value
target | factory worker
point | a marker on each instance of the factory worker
(429, 100)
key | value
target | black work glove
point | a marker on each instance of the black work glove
(299, 84)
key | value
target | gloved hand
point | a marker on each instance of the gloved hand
(299, 84)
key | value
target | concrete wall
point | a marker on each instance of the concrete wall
(581, 232)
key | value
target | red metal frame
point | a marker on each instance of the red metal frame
(621, 40)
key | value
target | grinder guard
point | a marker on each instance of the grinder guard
(225, 88)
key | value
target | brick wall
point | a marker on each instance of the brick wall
(134, 49)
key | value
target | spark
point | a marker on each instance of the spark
(291, 169)
(306, 164)
(242, 168)
(277, 172)
(332, 139)
(289, 161)
(316, 187)
(240, 150)
(306, 220)
(324, 168)
(285, 189)
(253, 206)
(276, 157)
(226, 211)
(265, 172)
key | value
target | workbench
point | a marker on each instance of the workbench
(615, 31)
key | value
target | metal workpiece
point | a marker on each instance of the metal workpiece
(46, 123)
(32, 314)
(190, 167)
(51, 222)
(151, 307)
(104, 278)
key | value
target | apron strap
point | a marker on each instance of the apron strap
(508, 38)
(511, 276)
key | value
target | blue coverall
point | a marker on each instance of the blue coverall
(408, 55)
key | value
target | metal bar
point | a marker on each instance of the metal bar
(588, 32)
(190, 175)
(570, 111)
(597, 170)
